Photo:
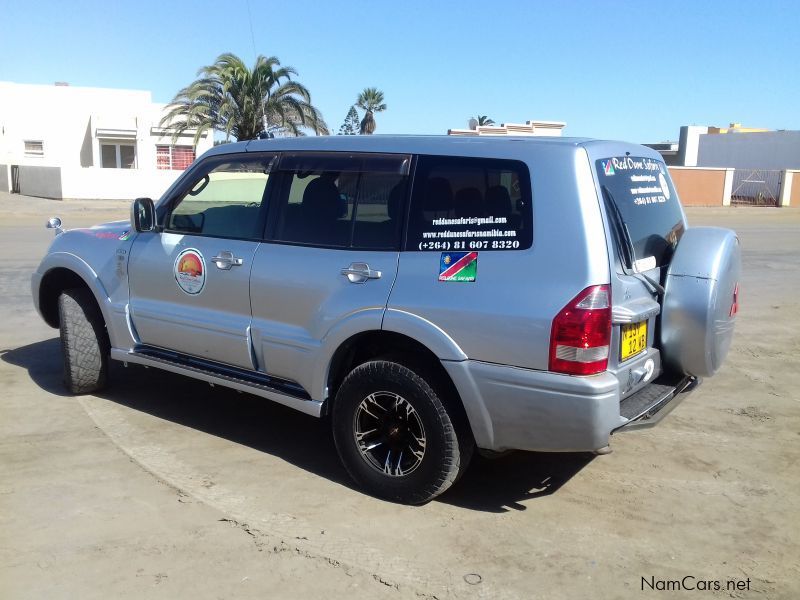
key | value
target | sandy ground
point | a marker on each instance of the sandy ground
(164, 487)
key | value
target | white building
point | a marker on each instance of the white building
(61, 141)
(529, 128)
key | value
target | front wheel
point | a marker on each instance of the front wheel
(84, 341)
(394, 434)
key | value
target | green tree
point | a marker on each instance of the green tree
(350, 125)
(242, 102)
(484, 120)
(371, 102)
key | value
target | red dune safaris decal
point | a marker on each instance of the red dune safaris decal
(190, 271)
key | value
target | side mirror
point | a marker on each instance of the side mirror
(55, 223)
(143, 215)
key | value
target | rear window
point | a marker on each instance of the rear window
(642, 191)
(463, 203)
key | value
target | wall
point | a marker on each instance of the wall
(58, 115)
(44, 182)
(72, 122)
(701, 187)
(689, 144)
(115, 184)
(794, 195)
(4, 186)
(772, 150)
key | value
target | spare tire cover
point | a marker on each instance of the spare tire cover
(701, 300)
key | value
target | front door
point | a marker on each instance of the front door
(189, 282)
(331, 256)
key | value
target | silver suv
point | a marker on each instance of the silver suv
(430, 295)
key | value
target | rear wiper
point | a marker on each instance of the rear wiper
(621, 229)
(623, 236)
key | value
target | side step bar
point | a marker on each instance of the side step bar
(281, 391)
(649, 405)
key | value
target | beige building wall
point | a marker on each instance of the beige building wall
(699, 186)
(794, 195)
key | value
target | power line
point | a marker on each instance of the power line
(252, 35)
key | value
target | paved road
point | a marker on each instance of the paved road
(165, 487)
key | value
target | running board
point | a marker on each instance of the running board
(647, 407)
(281, 391)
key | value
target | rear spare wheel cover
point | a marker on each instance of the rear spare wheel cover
(701, 300)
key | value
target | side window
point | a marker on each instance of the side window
(342, 200)
(225, 200)
(470, 204)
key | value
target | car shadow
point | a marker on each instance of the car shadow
(496, 485)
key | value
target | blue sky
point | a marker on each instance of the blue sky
(615, 69)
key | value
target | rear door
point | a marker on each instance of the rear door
(330, 257)
(190, 283)
(468, 267)
(646, 222)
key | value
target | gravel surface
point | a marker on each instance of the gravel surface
(165, 487)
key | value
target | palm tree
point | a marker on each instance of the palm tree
(370, 101)
(243, 103)
(484, 120)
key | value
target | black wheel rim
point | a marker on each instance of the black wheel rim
(389, 434)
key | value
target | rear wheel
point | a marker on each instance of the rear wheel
(84, 341)
(394, 434)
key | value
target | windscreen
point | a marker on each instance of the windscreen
(647, 205)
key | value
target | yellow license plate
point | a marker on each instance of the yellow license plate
(633, 339)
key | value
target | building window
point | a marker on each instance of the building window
(34, 148)
(118, 156)
(174, 157)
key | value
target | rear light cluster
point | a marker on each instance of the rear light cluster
(581, 333)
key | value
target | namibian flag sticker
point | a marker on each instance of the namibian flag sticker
(458, 266)
(608, 167)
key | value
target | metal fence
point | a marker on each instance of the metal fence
(755, 187)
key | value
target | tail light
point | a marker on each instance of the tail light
(581, 333)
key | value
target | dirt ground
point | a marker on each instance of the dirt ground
(163, 487)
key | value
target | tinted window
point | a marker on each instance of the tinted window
(225, 199)
(342, 200)
(470, 204)
(642, 191)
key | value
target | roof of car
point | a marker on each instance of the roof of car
(418, 144)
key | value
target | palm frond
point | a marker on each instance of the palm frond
(230, 97)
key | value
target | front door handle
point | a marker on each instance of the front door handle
(225, 260)
(360, 273)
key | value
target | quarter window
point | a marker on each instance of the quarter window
(342, 200)
(225, 200)
(470, 204)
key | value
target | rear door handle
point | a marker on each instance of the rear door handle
(225, 260)
(360, 273)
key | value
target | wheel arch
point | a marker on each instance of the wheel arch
(69, 272)
(369, 345)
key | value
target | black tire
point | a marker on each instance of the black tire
(442, 457)
(84, 341)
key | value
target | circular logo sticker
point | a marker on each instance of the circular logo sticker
(662, 181)
(190, 271)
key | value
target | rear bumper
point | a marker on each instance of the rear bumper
(523, 409)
